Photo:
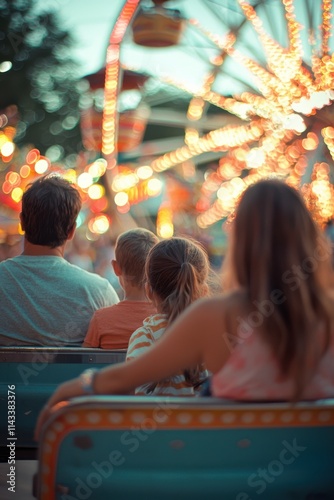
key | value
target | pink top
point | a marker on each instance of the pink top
(252, 373)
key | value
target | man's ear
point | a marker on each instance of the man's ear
(116, 267)
(21, 221)
(71, 233)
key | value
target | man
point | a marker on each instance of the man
(45, 300)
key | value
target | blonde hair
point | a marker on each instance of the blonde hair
(277, 247)
(131, 250)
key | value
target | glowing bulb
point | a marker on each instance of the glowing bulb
(99, 225)
(5, 66)
(144, 172)
(255, 158)
(70, 175)
(17, 194)
(121, 199)
(7, 149)
(25, 171)
(319, 99)
(124, 181)
(154, 187)
(98, 168)
(96, 191)
(13, 178)
(294, 122)
(85, 180)
(41, 166)
(166, 230)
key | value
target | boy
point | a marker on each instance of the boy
(111, 327)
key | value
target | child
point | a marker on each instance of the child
(272, 337)
(176, 275)
(111, 327)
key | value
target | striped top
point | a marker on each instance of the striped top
(152, 329)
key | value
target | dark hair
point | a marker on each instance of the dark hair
(50, 207)
(277, 247)
(131, 251)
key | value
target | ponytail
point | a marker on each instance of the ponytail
(185, 292)
(177, 271)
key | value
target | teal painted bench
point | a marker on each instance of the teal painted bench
(126, 447)
(35, 372)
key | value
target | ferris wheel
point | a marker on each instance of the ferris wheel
(257, 79)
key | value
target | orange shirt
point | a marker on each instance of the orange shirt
(111, 327)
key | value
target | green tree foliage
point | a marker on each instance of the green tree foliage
(42, 81)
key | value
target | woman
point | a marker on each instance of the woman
(271, 336)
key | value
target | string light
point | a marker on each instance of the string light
(269, 144)
(276, 138)
(109, 126)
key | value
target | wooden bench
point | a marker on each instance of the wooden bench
(127, 447)
(34, 373)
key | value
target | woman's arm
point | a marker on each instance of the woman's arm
(185, 344)
(195, 337)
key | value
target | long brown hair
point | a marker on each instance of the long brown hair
(281, 261)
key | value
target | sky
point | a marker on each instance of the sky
(90, 24)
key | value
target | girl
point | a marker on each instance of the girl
(176, 275)
(272, 336)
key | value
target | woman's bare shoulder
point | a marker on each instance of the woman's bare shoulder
(219, 304)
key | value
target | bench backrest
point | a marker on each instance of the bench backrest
(35, 372)
(181, 449)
